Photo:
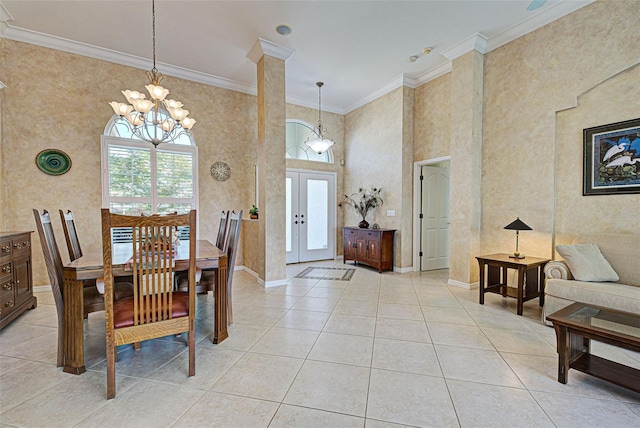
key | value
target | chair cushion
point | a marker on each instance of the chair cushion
(587, 263)
(123, 309)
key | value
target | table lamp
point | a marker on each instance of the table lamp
(517, 225)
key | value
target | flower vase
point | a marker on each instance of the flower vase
(364, 224)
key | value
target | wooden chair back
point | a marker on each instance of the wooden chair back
(222, 230)
(54, 268)
(71, 235)
(231, 247)
(155, 310)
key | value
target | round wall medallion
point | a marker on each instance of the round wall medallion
(53, 162)
(220, 171)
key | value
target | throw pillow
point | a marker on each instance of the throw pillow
(587, 263)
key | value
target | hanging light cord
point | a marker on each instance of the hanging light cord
(319, 84)
(154, 76)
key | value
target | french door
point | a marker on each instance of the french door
(310, 216)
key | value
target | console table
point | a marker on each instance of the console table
(530, 277)
(373, 247)
(16, 290)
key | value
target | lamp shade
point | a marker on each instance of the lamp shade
(517, 224)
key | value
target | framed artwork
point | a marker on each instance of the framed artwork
(612, 159)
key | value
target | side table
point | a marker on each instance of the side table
(530, 277)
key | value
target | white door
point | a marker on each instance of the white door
(310, 216)
(434, 218)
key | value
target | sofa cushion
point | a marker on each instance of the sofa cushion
(607, 294)
(587, 263)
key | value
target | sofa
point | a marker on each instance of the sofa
(620, 290)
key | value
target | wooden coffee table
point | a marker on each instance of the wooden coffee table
(576, 324)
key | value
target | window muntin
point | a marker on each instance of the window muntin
(296, 136)
(139, 178)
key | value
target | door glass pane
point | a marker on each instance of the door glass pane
(288, 215)
(317, 214)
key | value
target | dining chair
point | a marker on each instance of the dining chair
(230, 246)
(181, 278)
(53, 261)
(124, 287)
(156, 309)
(222, 229)
(70, 234)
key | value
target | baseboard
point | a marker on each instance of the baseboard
(460, 284)
(249, 271)
(403, 269)
(276, 283)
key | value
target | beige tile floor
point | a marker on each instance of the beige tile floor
(384, 350)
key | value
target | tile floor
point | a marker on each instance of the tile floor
(384, 350)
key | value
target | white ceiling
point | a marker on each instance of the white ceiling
(360, 49)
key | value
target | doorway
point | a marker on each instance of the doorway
(310, 216)
(431, 249)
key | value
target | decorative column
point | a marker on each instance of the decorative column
(270, 59)
(466, 158)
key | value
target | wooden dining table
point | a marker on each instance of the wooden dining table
(90, 266)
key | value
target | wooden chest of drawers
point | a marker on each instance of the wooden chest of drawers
(16, 289)
(373, 247)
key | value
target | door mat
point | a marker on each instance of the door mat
(336, 274)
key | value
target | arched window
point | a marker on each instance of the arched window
(138, 178)
(297, 133)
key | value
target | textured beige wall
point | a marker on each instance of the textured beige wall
(603, 214)
(335, 127)
(272, 167)
(59, 100)
(404, 257)
(374, 155)
(432, 119)
(526, 82)
(466, 161)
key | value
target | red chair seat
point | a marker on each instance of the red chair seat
(123, 309)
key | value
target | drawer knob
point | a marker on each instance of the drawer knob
(8, 286)
(17, 246)
(26, 243)
(6, 268)
(9, 304)
(6, 249)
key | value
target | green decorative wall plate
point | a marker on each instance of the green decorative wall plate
(53, 162)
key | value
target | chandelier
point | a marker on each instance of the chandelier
(157, 120)
(319, 144)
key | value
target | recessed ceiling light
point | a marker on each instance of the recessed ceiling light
(413, 58)
(426, 51)
(283, 30)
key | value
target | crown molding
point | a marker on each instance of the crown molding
(434, 73)
(265, 47)
(66, 45)
(305, 102)
(546, 15)
(402, 80)
(475, 42)
(4, 13)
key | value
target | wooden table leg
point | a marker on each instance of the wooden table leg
(563, 352)
(73, 325)
(481, 282)
(220, 318)
(521, 271)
